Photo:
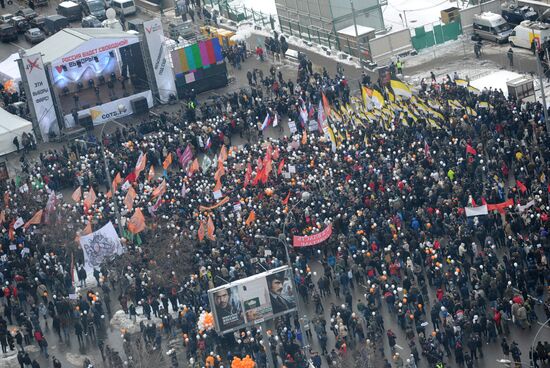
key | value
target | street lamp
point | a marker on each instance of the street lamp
(107, 171)
(305, 196)
(541, 82)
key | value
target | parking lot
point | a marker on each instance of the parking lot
(8, 48)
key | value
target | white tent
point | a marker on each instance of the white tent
(11, 126)
(9, 71)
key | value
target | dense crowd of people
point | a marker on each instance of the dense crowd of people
(393, 181)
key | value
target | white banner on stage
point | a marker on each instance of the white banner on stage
(110, 110)
(41, 95)
(476, 211)
(154, 35)
(100, 246)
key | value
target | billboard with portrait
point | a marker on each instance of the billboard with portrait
(253, 300)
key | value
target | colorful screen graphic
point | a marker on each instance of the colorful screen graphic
(197, 56)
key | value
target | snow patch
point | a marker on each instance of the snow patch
(496, 80)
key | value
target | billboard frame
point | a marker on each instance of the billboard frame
(241, 284)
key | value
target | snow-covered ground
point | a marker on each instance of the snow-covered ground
(264, 6)
(496, 80)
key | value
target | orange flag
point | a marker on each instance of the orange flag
(136, 224)
(223, 155)
(109, 195)
(90, 199)
(219, 173)
(194, 167)
(7, 199)
(88, 229)
(251, 218)
(167, 161)
(129, 199)
(151, 175)
(160, 190)
(140, 165)
(116, 181)
(218, 186)
(77, 194)
(2, 217)
(201, 231)
(35, 220)
(210, 229)
(304, 137)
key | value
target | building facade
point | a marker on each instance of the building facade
(320, 20)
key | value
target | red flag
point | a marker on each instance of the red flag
(285, 201)
(247, 175)
(471, 150)
(167, 161)
(521, 186)
(326, 105)
(136, 224)
(223, 155)
(473, 202)
(304, 137)
(281, 165)
(276, 153)
(11, 231)
(7, 199)
(483, 201)
(35, 220)
(131, 177)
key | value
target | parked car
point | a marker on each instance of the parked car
(40, 2)
(8, 33)
(35, 35)
(20, 23)
(38, 22)
(90, 22)
(28, 13)
(516, 14)
(5, 18)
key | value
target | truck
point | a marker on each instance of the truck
(70, 10)
(530, 35)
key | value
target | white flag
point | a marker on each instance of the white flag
(476, 211)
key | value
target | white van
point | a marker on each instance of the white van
(491, 26)
(125, 7)
(530, 34)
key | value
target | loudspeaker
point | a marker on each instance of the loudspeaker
(140, 105)
(86, 121)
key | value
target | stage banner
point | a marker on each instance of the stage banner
(307, 241)
(476, 211)
(164, 77)
(100, 246)
(110, 110)
(41, 95)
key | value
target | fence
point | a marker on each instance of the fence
(239, 13)
(383, 48)
(309, 33)
(439, 34)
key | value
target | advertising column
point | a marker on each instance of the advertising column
(40, 95)
(154, 37)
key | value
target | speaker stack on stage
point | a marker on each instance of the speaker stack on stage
(140, 105)
(86, 121)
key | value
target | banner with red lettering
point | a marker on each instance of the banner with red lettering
(307, 241)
